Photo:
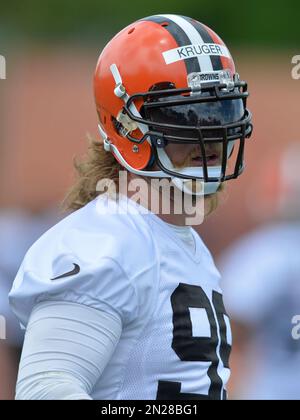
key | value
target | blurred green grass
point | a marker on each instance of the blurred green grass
(253, 23)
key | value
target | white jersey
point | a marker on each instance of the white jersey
(175, 339)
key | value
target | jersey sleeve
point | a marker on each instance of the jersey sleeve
(87, 262)
(102, 285)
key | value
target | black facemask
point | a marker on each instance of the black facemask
(184, 116)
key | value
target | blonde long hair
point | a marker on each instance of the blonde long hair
(98, 165)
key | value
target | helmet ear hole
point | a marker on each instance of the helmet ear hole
(103, 116)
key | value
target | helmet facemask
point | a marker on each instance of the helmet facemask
(213, 119)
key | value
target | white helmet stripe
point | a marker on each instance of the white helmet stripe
(195, 38)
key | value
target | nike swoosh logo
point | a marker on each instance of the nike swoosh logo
(75, 270)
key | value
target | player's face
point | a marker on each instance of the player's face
(189, 155)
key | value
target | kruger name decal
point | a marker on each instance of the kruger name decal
(194, 50)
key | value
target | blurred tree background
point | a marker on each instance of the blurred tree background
(259, 23)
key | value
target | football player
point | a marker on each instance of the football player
(120, 301)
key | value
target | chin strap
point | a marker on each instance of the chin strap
(110, 147)
(187, 186)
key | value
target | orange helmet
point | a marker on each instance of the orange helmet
(170, 79)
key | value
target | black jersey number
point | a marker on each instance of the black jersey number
(198, 349)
